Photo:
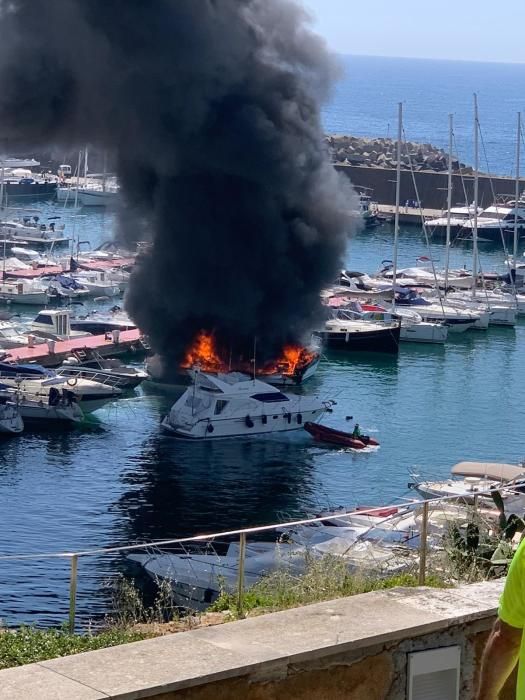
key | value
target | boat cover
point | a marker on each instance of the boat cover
(489, 470)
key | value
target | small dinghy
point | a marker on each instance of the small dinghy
(322, 433)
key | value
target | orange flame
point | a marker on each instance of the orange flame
(292, 361)
(203, 354)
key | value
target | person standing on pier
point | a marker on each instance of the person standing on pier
(506, 643)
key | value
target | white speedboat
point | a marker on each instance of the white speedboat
(97, 284)
(57, 407)
(88, 364)
(470, 478)
(38, 382)
(197, 579)
(458, 320)
(65, 286)
(425, 277)
(24, 292)
(234, 405)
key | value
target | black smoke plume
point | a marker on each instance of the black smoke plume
(211, 110)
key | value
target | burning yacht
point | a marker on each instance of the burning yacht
(234, 405)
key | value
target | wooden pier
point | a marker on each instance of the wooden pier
(103, 344)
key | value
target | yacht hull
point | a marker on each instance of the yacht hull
(240, 427)
(383, 340)
(424, 333)
(96, 198)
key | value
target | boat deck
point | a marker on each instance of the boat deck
(93, 265)
(103, 344)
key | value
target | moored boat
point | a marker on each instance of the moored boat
(348, 330)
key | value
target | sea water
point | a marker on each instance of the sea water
(118, 480)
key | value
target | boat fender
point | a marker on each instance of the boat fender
(299, 418)
(72, 381)
(210, 428)
(248, 421)
(288, 416)
(264, 419)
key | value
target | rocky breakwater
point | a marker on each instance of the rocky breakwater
(381, 153)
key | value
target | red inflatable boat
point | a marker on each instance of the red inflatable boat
(337, 437)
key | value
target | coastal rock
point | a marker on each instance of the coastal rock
(382, 153)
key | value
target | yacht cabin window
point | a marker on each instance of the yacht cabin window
(44, 318)
(220, 405)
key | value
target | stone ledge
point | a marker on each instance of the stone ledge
(261, 646)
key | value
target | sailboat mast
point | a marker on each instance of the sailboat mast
(398, 193)
(449, 196)
(78, 178)
(517, 197)
(475, 263)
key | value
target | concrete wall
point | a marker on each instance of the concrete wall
(432, 187)
(353, 648)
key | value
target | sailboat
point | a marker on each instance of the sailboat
(413, 327)
(501, 307)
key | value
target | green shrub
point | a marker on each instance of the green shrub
(323, 579)
(27, 645)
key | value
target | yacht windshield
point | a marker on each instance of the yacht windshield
(270, 397)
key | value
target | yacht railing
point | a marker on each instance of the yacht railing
(95, 375)
(418, 541)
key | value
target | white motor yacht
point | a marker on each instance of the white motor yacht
(30, 230)
(497, 220)
(458, 216)
(55, 324)
(234, 405)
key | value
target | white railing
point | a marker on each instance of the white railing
(425, 505)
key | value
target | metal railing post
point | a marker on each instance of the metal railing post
(423, 545)
(240, 580)
(73, 592)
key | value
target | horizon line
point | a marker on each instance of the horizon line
(428, 58)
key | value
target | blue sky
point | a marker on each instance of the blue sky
(472, 30)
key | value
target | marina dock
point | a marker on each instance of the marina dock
(408, 215)
(103, 344)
